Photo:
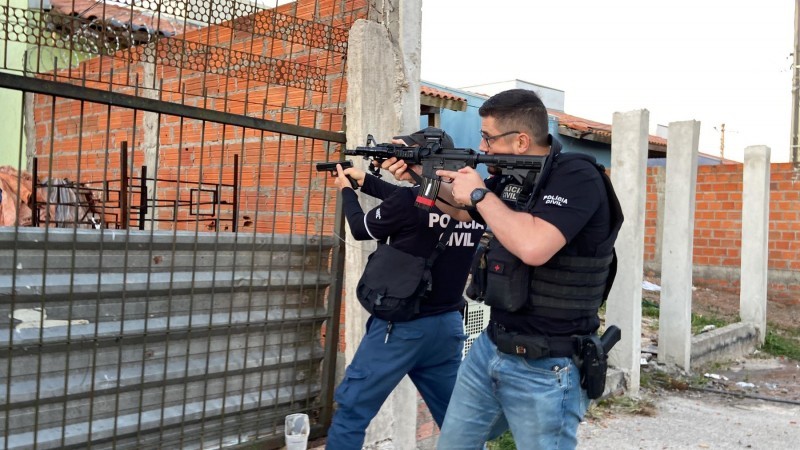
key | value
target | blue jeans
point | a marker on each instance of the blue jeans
(428, 350)
(539, 399)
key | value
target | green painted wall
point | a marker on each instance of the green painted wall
(11, 59)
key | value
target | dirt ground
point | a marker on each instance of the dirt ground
(736, 394)
(755, 376)
(692, 420)
(723, 304)
(753, 402)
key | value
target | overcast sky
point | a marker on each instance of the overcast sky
(715, 61)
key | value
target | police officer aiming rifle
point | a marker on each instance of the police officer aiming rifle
(544, 269)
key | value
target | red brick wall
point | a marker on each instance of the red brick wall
(280, 190)
(718, 225)
(427, 431)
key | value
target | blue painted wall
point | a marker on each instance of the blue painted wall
(465, 127)
(600, 151)
(702, 160)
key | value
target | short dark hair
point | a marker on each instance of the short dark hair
(518, 108)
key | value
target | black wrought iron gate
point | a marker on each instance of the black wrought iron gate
(169, 258)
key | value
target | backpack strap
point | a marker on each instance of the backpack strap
(442, 244)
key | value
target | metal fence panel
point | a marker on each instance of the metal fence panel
(109, 349)
(169, 258)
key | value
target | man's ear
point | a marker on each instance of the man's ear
(523, 142)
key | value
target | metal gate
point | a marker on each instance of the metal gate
(170, 275)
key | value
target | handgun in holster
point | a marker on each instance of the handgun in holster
(594, 354)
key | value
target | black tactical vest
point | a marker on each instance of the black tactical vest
(572, 287)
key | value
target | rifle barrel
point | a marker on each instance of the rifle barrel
(469, 156)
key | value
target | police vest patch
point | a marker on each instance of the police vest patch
(511, 192)
(555, 200)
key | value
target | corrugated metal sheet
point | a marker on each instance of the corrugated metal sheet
(130, 339)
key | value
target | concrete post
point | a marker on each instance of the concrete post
(629, 176)
(150, 124)
(755, 235)
(660, 186)
(675, 317)
(382, 100)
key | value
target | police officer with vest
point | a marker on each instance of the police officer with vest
(545, 268)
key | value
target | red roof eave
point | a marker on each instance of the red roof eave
(584, 128)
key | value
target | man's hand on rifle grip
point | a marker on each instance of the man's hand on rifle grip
(400, 169)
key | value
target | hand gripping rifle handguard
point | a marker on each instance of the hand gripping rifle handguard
(433, 157)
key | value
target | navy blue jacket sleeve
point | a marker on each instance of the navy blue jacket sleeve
(354, 214)
(376, 187)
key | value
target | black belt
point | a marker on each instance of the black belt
(532, 346)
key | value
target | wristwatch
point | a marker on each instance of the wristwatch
(477, 195)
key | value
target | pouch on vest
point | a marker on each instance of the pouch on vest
(393, 284)
(476, 287)
(507, 278)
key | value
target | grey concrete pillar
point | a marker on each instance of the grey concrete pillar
(629, 176)
(150, 124)
(29, 130)
(675, 316)
(382, 100)
(755, 235)
(661, 182)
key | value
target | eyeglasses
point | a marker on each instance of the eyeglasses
(489, 139)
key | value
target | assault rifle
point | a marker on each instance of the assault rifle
(526, 169)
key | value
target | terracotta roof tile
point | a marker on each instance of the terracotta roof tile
(587, 126)
(427, 90)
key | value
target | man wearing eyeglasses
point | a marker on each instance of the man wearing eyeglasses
(544, 270)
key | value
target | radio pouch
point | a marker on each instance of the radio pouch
(507, 278)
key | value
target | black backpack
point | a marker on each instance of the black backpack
(394, 283)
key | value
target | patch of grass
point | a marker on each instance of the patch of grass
(629, 405)
(716, 366)
(504, 442)
(790, 332)
(621, 405)
(649, 308)
(781, 343)
(700, 321)
(653, 379)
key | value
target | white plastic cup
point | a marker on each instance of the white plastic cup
(296, 430)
